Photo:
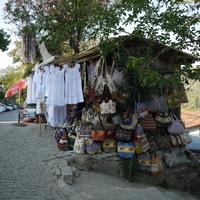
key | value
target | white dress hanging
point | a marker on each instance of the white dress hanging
(55, 90)
(73, 85)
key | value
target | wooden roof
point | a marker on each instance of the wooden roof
(89, 54)
(190, 118)
(170, 54)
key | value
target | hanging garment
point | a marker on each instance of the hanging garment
(73, 85)
(57, 115)
(38, 79)
(29, 89)
(34, 86)
(55, 90)
(44, 84)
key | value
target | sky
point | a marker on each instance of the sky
(5, 60)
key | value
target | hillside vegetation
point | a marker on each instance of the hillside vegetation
(193, 95)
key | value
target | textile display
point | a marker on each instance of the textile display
(56, 85)
(162, 139)
(144, 143)
(93, 76)
(144, 161)
(116, 119)
(71, 137)
(176, 127)
(98, 133)
(123, 95)
(117, 76)
(61, 137)
(153, 144)
(125, 149)
(92, 147)
(85, 129)
(163, 103)
(170, 159)
(79, 145)
(176, 140)
(101, 80)
(141, 110)
(110, 133)
(185, 137)
(123, 135)
(109, 80)
(73, 86)
(163, 119)
(109, 145)
(153, 105)
(129, 122)
(108, 107)
(156, 164)
(138, 132)
(138, 146)
(148, 123)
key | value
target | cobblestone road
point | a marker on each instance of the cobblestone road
(31, 168)
(25, 173)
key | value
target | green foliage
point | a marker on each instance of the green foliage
(164, 184)
(4, 40)
(142, 79)
(131, 168)
(193, 94)
(10, 75)
(65, 25)
(71, 22)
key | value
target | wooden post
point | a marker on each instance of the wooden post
(40, 125)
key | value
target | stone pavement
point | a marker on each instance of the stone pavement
(23, 175)
(32, 167)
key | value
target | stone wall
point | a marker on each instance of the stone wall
(184, 176)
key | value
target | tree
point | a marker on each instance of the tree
(66, 24)
(4, 40)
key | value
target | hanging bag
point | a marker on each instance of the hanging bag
(129, 120)
(163, 103)
(170, 158)
(109, 145)
(153, 144)
(108, 106)
(109, 128)
(144, 161)
(148, 123)
(141, 110)
(162, 139)
(153, 105)
(163, 119)
(123, 135)
(145, 143)
(100, 81)
(176, 127)
(92, 80)
(109, 81)
(126, 150)
(98, 133)
(118, 77)
(156, 164)
(79, 145)
(92, 147)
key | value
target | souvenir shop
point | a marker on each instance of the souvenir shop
(92, 113)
